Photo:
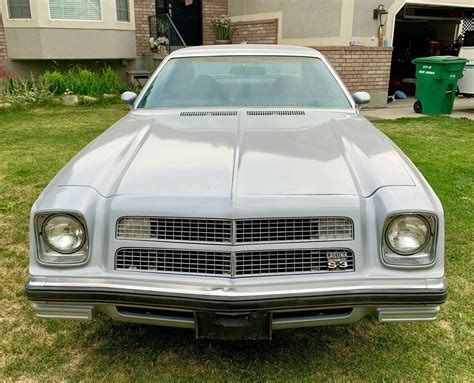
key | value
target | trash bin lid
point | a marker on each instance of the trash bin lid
(439, 60)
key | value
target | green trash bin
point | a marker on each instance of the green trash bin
(436, 83)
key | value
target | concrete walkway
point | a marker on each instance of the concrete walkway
(463, 107)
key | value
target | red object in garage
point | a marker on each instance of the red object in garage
(408, 86)
(435, 47)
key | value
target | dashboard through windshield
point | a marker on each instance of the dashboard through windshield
(244, 81)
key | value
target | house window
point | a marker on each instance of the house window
(75, 9)
(19, 9)
(122, 10)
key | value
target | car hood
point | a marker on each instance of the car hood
(226, 153)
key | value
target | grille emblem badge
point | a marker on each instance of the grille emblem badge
(337, 260)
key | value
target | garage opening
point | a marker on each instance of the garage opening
(425, 30)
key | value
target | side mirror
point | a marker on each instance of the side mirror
(361, 98)
(129, 98)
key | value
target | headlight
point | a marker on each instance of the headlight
(64, 233)
(408, 234)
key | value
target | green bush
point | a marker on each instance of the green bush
(55, 81)
(110, 81)
(83, 82)
(77, 80)
(24, 90)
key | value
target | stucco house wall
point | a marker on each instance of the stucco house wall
(300, 20)
(40, 43)
(42, 38)
(328, 22)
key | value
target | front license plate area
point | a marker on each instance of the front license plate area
(248, 326)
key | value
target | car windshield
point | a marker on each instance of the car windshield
(244, 81)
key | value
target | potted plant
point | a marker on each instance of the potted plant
(159, 47)
(222, 29)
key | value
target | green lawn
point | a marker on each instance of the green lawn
(34, 146)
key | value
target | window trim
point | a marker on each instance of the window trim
(18, 18)
(128, 13)
(79, 20)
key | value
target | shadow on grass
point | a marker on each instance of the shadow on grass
(140, 351)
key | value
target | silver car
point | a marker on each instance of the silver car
(243, 193)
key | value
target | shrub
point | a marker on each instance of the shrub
(17, 90)
(56, 82)
(83, 82)
(77, 80)
(109, 81)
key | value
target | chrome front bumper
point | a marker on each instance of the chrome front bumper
(307, 310)
(292, 319)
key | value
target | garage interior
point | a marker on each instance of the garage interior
(424, 30)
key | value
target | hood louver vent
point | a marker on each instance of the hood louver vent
(209, 113)
(275, 113)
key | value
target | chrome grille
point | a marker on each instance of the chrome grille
(293, 229)
(175, 229)
(292, 261)
(249, 263)
(244, 230)
(173, 261)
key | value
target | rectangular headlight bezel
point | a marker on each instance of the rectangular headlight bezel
(48, 256)
(426, 257)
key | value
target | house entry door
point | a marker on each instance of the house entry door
(186, 16)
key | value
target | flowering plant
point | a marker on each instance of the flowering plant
(160, 44)
(222, 27)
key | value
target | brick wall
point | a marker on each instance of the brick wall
(3, 46)
(256, 32)
(211, 9)
(143, 9)
(361, 68)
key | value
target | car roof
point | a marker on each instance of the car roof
(246, 49)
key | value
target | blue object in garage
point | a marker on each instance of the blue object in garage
(400, 95)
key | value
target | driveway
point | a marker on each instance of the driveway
(463, 107)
